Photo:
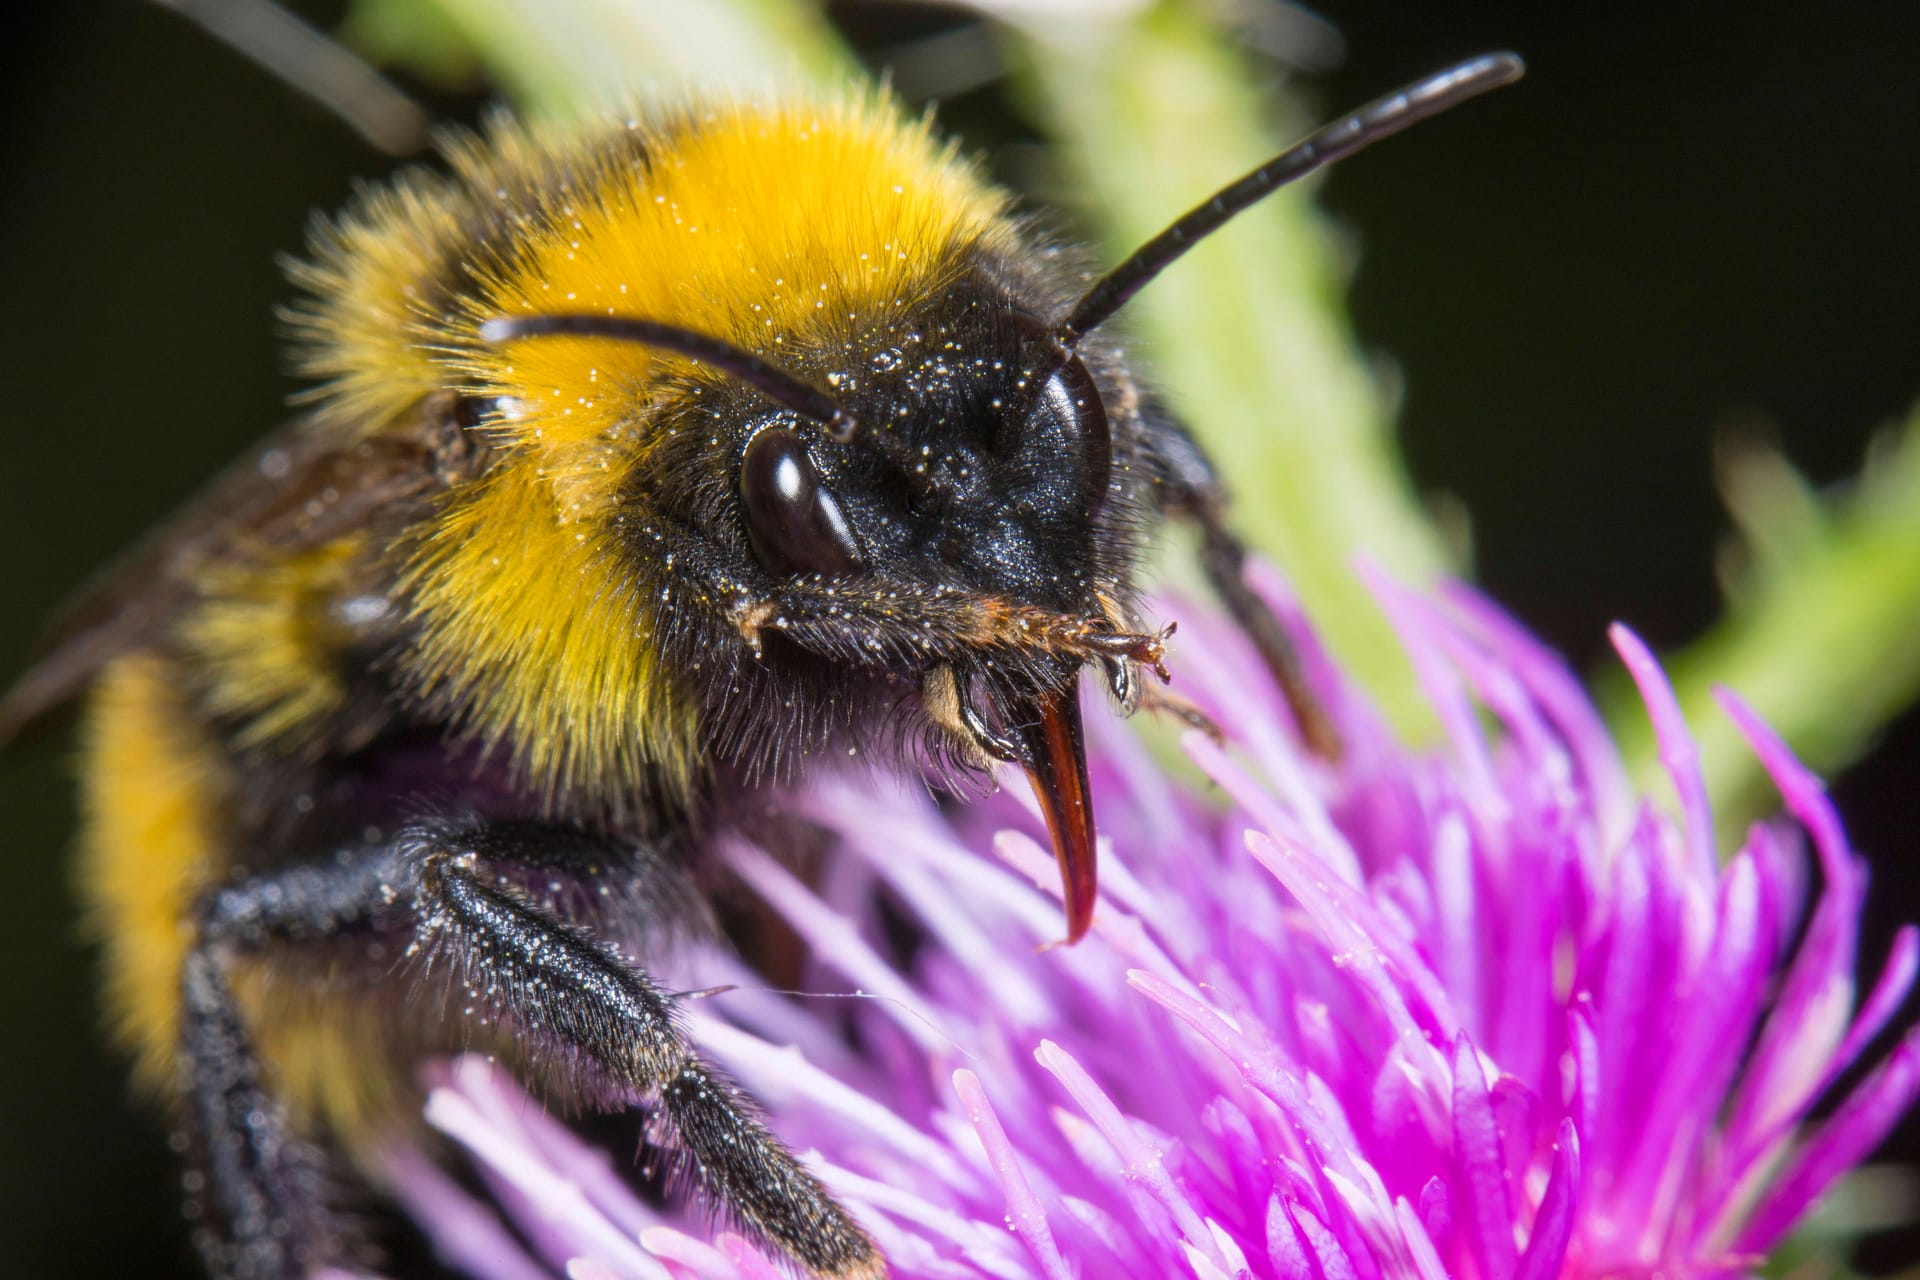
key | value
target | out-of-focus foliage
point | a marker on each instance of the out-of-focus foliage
(562, 58)
(1822, 625)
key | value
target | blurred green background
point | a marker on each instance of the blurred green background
(1689, 228)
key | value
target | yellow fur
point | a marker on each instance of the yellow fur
(535, 634)
(777, 228)
(154, 790)
(361, 332)
(266, 633)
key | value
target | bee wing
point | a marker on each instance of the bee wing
(307, 484)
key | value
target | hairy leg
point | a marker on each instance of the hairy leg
(511, 909)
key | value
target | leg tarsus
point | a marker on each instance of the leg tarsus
(497, 902)
(739, 1165)
(1160, 700)
(1190, 489)
(1223, 559)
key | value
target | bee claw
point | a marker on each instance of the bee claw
(985, 736)
(1121, 684)
(1144, 650)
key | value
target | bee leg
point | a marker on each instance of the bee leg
(1190, 489)
(614, 1029)
(457, 889)
(256, 1190)
(260, 1193)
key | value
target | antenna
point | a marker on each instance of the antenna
(1356, 131)
(789, 389)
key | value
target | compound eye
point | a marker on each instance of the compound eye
(794, 523)
(1072, 400)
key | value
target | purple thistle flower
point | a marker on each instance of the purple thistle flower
(1480, 1012)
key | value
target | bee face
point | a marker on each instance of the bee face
(985, 471)
(993, 475)
(957, 560)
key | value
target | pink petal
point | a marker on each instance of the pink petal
(1025, 1214)
(1488, 1213)
(1553, 1222)
(474, 1239)
(1678, 751)
(1847, 1138)
(1144, 1163)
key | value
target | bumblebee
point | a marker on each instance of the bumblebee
(649, 463)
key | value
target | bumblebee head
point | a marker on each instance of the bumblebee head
(933, 527)
(937, 512)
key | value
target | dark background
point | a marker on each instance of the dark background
(1681, 219)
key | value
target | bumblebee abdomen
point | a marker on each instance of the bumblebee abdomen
(156, 792)
(165, 824)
